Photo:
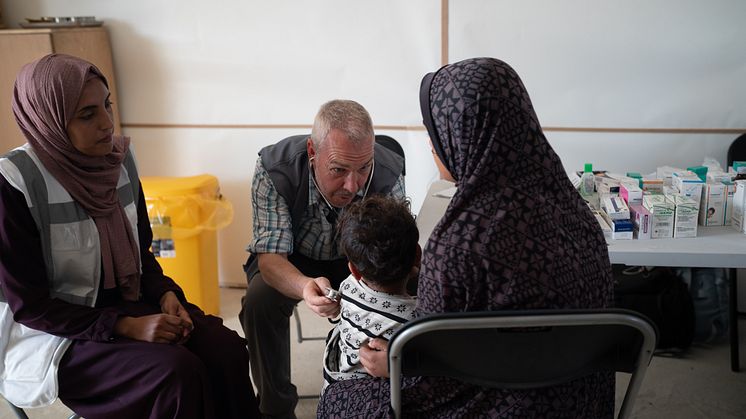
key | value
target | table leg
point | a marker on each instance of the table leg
(733, 312)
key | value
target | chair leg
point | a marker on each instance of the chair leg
(300, 339)
(298, 327)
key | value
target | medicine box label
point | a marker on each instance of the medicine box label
(730, 190)
(712, 206)
(685, 218)
(643, 221)
(688, 184)
(662, 211)
(631, 193)
(739, 204)
(616, 208)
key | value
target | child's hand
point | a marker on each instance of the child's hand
(314, 294)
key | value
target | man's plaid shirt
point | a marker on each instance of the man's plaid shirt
(272, 226)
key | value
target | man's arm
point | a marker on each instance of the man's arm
(273, 241)
(282, 275)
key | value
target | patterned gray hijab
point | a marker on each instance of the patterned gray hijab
(516, 234)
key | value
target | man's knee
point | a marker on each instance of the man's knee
(262, 299)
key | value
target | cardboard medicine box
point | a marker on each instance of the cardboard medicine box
(604, 225)
(712, 206)
(643, 221)
(685, 217)
(688, 184)
(739, 206)
(631, 193)
(621, 229)
(730, 190)
(662, 210)
(615, 208)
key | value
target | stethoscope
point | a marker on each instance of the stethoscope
(328, 204)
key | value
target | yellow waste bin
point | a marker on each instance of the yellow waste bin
(185, 214)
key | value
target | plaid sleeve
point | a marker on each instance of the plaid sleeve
(398, 190)
(271, 222)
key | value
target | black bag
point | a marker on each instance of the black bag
(709, 290)
(663, 297)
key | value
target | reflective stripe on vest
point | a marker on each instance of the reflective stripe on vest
(69, 237)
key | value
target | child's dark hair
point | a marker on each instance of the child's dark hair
(379, 236)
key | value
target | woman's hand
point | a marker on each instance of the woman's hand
(314, 294)
(375, 357)
(157, 328)
(170, 304)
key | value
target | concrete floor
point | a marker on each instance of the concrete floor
(698, 385)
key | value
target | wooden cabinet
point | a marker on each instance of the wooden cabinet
(21, 46)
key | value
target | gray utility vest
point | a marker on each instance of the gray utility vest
(286, 163)
(69, 237)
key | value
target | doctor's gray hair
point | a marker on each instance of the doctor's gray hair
(347, 116)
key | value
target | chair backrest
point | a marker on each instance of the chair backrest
(737, 150)
(523, 349)
(394, 146)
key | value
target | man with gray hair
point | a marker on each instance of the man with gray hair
(301, 184)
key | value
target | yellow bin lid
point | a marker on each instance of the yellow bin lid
(158, 186)
(188, 204)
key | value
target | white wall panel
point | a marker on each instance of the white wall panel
(641, 153)
(637, 63)
(260, 62)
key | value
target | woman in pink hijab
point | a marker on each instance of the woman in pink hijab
(86, 313)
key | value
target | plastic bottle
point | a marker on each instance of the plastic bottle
(587, 180)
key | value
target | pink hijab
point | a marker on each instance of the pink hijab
(45, 98)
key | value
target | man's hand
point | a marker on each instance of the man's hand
(375, 357)
(314, 294)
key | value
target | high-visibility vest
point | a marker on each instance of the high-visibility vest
(72, 258)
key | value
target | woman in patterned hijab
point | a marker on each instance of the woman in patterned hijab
(516, 235)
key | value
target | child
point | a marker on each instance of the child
(379, 237)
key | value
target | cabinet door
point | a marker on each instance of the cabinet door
(16, 49)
